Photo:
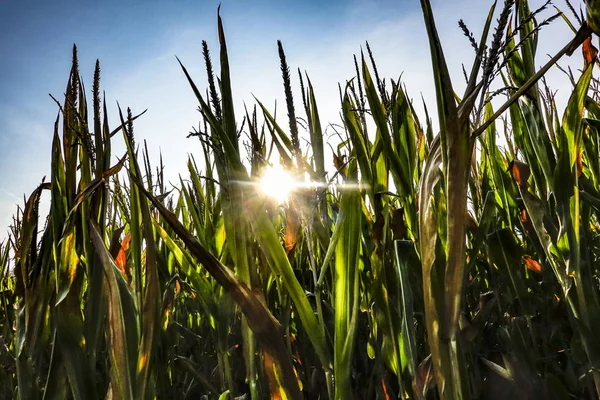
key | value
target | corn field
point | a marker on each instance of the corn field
(462, 264)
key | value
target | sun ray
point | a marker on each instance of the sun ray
(277, 183)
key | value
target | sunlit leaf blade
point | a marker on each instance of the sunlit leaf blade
(316, 135)
(121, 317)
(569, 240)
(346, 285)
(359, 141)
(384, 133)
(226, 95)
(447, 111)
(278, 261)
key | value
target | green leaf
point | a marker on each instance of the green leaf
(122, 334)
(316, 139)
(404, 249)
(280, 264)
(346, 284)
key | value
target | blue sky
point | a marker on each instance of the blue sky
(136, 42)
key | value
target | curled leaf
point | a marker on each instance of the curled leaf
(590, 52)
(121, 258)
(520, 172)
(532, 264)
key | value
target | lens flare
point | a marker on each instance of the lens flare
(277, 183)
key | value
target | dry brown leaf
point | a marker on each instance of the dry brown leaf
(532, 264)
(590, 52)
(121, 258)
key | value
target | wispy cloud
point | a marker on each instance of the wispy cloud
(322, 42)
(10, 194)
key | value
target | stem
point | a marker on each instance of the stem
(328, 374)
(579, 38)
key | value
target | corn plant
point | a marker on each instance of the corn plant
(455, 265)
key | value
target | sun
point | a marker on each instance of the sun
(277, 183)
